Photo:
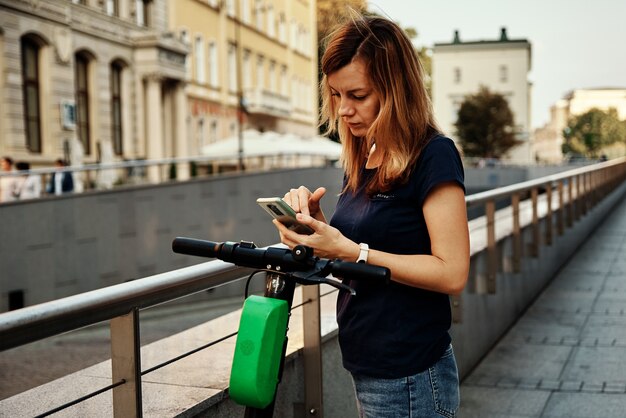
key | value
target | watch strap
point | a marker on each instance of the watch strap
(363, 253)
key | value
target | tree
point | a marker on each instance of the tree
(485, 125)
(588, 133)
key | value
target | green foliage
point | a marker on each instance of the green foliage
(588, 133)
(485, 125)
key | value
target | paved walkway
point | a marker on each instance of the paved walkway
(566, 356)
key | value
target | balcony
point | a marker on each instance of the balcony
(260, 101)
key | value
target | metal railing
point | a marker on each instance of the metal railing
(577, 191)
(568, 196)
(120, 305)
(135, 172)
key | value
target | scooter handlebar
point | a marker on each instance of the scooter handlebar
(245, 254)
(197, 247)
(359, 271)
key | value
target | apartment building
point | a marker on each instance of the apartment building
(89, 79)
(252, 64)
(459, 68)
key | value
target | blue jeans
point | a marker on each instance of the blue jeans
(431, 393)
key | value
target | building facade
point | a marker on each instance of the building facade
(460, 68)
(548, 140)
(90, 80)
(260, 54)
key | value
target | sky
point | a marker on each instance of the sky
(575, 43)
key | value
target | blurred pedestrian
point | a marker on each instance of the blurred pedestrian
(8, 183)
(62, 181)
(28, 186)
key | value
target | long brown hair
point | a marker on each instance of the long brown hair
(405, 121)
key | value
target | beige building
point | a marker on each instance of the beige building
(460, 68)
(548, 140)
(90, 79)
(263, 50)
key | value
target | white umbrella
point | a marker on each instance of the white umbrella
(271, 143)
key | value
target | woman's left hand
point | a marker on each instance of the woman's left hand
(326, 241)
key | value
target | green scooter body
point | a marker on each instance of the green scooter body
(258, 351)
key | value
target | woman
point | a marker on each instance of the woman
(403, 207)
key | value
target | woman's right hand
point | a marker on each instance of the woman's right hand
(304, 201)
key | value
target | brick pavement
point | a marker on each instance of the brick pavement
(566, 356)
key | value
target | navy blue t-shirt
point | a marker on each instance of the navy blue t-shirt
(394, 330)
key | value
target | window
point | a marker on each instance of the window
(142, 12)
(456, 106)
(200, 132)
(199, 57)
(116, 107)
(294, 34)
(282, 30)
(213, 67)
(245, 11)
(232, 68)
(258, 11)
(260, 74)
(81, 78)
(504, 74)
(230, 8)
(247, 70)
(457, 75)
(31, 94)
(283, 81)
(184, 37)
(213, 132)
(301, 39)
(272, 76)
(294, 93)
(112, 7)
(271, 25)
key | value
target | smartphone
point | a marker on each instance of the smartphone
(280, 210)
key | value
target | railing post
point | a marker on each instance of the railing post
(517, 236)
(455, 301)
(570, 202)
(549, 214)
(126, 365)
(583, 195)
(312, 351)
(534, 246)
(596, 186)
(561, 210)
(492, 260)
(590, 191)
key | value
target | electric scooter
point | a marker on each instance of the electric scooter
(262, 338)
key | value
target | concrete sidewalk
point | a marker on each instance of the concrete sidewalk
(566, 356)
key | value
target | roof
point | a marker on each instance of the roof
(502, 42)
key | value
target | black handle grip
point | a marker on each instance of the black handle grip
(198, 247)
(245, 254)
(360, 271)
